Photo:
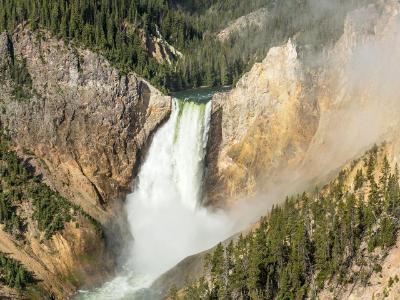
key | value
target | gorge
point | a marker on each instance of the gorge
(283, 186)
(165, 213)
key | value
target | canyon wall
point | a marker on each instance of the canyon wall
(295, 120)
(301, 115)
(81, 126)
(85, 123)
(261, 126)
(255, 19)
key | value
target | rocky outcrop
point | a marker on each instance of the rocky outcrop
(74, 258)
(303, 121)
(358, 87)
(82, 126)
(255, 19)
(300, 116)
(264, 124)
(85, 122)
(158, 48)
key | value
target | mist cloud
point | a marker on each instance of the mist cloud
(357, 85)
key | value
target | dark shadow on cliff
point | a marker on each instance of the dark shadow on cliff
(118, 235)
(213, 149)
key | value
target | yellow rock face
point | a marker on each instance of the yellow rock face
(307, 117)
(267, 122)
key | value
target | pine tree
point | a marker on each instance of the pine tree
(358, 180)
(55, 19)
(33, 16)
(310, 236)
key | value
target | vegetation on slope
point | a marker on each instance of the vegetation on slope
(115, 28)
(21, 81)
(12, 174)
(17, 185)
(108, 26)
(13, 274)
(327, 238)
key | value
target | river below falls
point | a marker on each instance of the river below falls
(164, 212)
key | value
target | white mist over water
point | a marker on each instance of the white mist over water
(164, 212)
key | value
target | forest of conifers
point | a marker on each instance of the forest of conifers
(18, 184)
(113, 27)
(50, 210)
(332, 237)
(13, 273)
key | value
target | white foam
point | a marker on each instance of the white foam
(164, 214)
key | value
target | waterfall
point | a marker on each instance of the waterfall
(164, 211)
(169, 191)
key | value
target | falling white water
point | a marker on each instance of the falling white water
(164, 212)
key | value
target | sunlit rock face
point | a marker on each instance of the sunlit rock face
(305, 116)
(86, 122)
(255, 19)
(337, 105)
(265, 123)
(82, 126)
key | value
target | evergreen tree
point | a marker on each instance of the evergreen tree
(318, 237)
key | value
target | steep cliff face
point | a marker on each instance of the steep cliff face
(81, 126)
(159, 48)
(255, 19)
(305, 115)
(74, 258)
(264, 124)
(358, 87)
(84, 122)
(353, 90)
